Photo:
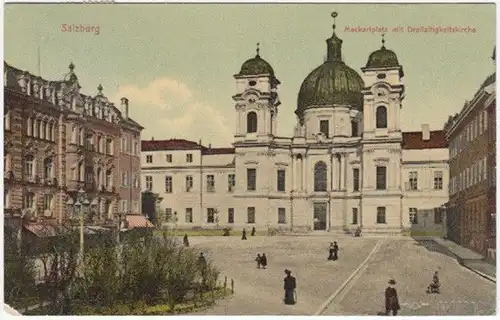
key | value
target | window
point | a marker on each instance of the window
(168, 215)
(355, 179)
(28, 201)
(210, 215)
(231, 182)
(320, 176)
(251, 122)
(89, 142)
(99, 141)
(29, 164)
(47, 201)
(381, 117)
(43, 131)
(124, 179)
(251, 179)
(6, 120)
(438, 180)
(354, 128)
(109, 146)
(380, 215)
(108, 178)
(281, 180)
(189, 157)
(136, 149)
(354, 215)
(168, 184)
(149, 158)
(47, 169)
(189, 183)
(251, 215)
(168, 158)
(413, 216)
(413, 180)
(89, 176)
(29, 127)
(281, 216)
(230, 215)
(149, 183)
(123, 144)
(210, 183)
(189, 215)
(38, 126)
(381, 178)
(6, 198)
(438, 216)
(324, 127)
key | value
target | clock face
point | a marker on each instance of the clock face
(252, 83)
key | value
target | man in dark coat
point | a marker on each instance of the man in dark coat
(335, 251)
(253, 231)
(290, 285)
(259, 260)
(330, 251)
(434, 286)
(244, 235)
(263, 260)
(391, 299)
(186, 241)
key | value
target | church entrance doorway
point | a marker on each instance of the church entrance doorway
(320, 214)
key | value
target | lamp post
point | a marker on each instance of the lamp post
(81, 203)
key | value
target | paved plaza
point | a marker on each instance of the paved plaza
(353, 285)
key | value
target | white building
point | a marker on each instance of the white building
(347, 165)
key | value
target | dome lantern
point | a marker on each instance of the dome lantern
(383, 58)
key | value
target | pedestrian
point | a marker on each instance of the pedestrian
(186, 241)
(335, 251)
(391, 299)
(263, 260)
(357, 233)
(290, 285)
(330, 251)
(259, 260)
(253, 231)
(244, 234)
(434, 287)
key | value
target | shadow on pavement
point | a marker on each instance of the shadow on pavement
(432, 246)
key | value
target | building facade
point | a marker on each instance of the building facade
(348, 163)
(471, 211)
(58, 141)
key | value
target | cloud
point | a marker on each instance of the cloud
(168, 109)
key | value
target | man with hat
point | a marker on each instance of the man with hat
(289, 286)
(391, 299)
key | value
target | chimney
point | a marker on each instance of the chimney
(124, 108)
(152, 138)
(426, 134)
(209, 146)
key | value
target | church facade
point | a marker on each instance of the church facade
(348, 163)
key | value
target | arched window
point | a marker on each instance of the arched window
(47, 169)
(320, 176)
(251, 122)
(29, 166)
(381, 117)
(43, 131)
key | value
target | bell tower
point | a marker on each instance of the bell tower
(256, 101)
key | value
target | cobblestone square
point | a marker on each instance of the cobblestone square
(353, 285)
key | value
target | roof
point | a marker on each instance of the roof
(215, 151)
(171, 144)
(44, 230)
(256, 66)
(182, 144)
(413, 140)
(138, 221)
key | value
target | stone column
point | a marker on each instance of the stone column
(332, 176)
(304, 171)
(342, 171)
(294, 183)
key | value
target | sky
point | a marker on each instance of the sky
(175, 62)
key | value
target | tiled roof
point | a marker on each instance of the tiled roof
(214, 151)
(138, 221)
(43, 230)
(413, 140)
(172, 144)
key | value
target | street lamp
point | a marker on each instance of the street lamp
(81, 203)
(176, 219)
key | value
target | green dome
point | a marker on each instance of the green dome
(382, 58)
(331, 83)
(256, 66)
